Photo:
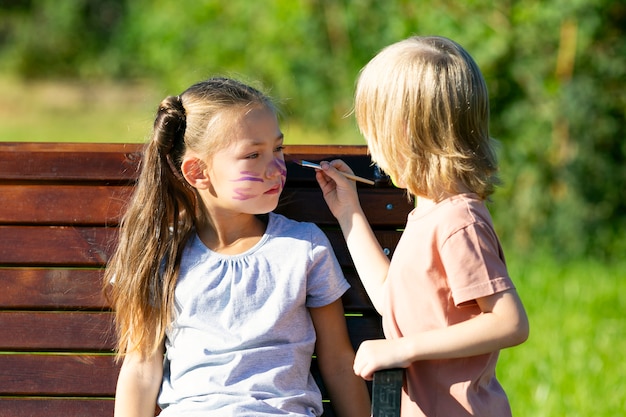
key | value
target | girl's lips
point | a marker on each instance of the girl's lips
(273, 190)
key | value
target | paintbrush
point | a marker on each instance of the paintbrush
(308, 164)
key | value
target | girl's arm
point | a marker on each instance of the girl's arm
(369, 259)
(503, 323)
(138, 385)
(348, 392)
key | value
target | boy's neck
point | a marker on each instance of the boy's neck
(424, 202)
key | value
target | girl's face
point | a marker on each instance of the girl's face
(249, 173)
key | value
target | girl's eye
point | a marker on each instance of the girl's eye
(279, 148)
(252, 156)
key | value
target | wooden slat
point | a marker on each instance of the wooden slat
(56, 407)
(61, 374)
(388, 240)
(131, 147)
(64, 147)
(67, 246)
(110, 162)
(56, 331)
(63, 204)
(38, 288)
(104, 163)
(85, 147)
(77, 331)
(91, 246)
(386, 208)
(104, 205)
(57, 375)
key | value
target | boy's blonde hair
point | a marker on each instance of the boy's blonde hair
(423, 107)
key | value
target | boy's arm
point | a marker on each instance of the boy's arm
(348, 392)
(138, 385)
(369, 259)
(503, 323)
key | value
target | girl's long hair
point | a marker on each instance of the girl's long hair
(141, 275)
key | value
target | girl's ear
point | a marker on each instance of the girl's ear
(195, 172)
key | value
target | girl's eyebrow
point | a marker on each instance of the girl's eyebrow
(254, 142)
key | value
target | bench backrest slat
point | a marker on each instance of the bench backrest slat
(52, 407)
(28, 288)
(50, 204)
(58, 374)
(91, 246)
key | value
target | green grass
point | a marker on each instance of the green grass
(574, 361)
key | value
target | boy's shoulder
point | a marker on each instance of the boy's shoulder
(455, 213)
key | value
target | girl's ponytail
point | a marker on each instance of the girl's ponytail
(153, 231)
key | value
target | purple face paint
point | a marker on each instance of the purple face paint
(249, 179)
(282, 168)
(249, 176)
(241, 194)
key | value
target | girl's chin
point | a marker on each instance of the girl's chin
(265, 205)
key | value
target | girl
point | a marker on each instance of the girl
(220, 302)
(447, 301)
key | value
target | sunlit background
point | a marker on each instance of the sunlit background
(95, 71)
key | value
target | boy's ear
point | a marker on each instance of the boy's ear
(195, 172)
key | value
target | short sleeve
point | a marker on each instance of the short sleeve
(474, 263)
(325, 280)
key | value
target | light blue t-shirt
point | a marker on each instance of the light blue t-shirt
(242, 337)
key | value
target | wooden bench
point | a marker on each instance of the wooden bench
(59, 208)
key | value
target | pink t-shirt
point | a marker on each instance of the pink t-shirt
(448, 256)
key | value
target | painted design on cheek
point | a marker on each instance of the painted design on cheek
(249, 176)
(242, 194)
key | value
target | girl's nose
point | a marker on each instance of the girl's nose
(276, 168)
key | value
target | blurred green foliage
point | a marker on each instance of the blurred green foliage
(555, 70)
